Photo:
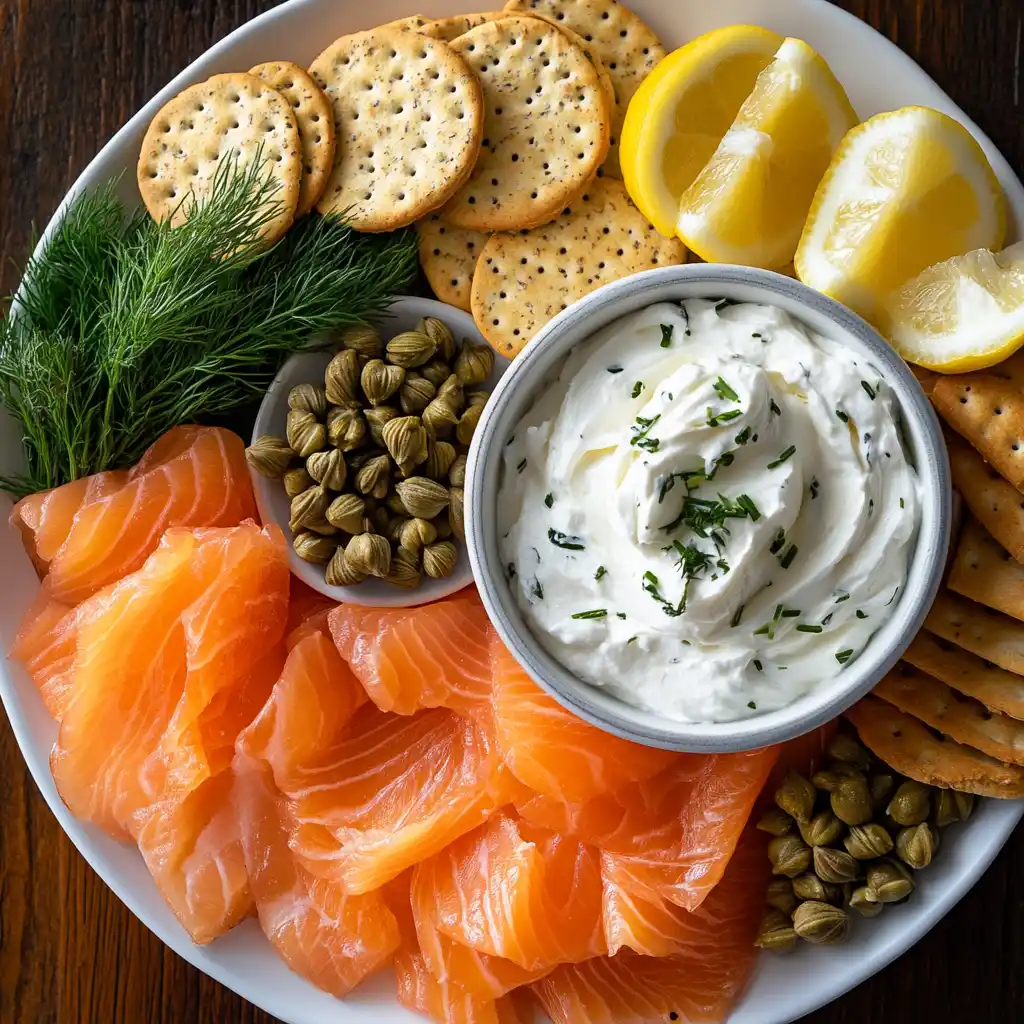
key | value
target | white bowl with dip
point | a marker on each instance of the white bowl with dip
(274, 504)
(851, 653)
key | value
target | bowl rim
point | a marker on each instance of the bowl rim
(520, 386)
(371, 593)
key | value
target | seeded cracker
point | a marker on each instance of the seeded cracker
(906, 745)
(523, 280)
(993, 637)
(451, 28)
(624, 43)
(235, 116)
(409, 117)
(985, 572)
(316, 125)
(967, 721)
(545, 130)
(968, 674)
(987, 408)
(994, 502)
(448, 256)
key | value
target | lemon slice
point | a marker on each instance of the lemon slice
(906, 190)
(749, 204)
(681, 111)
(964, 314)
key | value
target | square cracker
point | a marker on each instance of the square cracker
(995, 638)
(968, 674)
(987, 408)
(985, 572)
(903, 743)
(622, 41)
(940, 707)
(994, 502)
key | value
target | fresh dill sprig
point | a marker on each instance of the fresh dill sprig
(125, 327)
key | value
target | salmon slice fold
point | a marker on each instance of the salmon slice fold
(700, 982)
(191, 477)
(669, 837)
(394, 791)
(408, 659)
(522, 895)
(554, 752)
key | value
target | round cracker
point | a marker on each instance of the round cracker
(316, 125)
(448, 256)
(408, 114)
(236, 116)
(545, 130)
(523, 280)
(626, 45)
(455, 26)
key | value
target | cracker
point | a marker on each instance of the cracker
(985, 572)
(621, 39)
(903, 743)
(237, 116)
(925, 377)
(316, 125)
(987, 408)
(994, 502)
(414, 23)
(451, 28)
(993, 637)
(409, 119)
(940, 707)
(996, 688)
(525, 279)
(448, 256)
(545, 130)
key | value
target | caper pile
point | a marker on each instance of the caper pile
(374, 459)
(848, 839)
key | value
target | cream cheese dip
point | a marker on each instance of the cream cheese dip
(710, 511)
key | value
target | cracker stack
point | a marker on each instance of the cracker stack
(952, 712)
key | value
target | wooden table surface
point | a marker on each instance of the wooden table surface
(71, 73)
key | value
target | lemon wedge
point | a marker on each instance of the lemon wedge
(906, 190)
(963, 314)
(749, 204)
(681, 111)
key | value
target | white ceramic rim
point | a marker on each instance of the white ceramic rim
(779, 991)
(273, 504)
(520, 387)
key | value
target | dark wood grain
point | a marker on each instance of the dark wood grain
(73, 71)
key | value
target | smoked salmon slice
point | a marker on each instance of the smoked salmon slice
(437, 655)
(552, 751)
(328, 936)
(45, 519)
(671, 836)
(699, 983)
(191, 477)
(444, 1000)
(152, 652)
(45, 645)
(394, 791)
(533, 899)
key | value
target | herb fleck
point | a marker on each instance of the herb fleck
(511, 570)
(601, 572)
(631, 640)
(773, 405)
(828, 618)
(549, 499)
(869, 389)
(615, 369)
(751, 705)
(637, 388)
(521, 466)
(743, 436)
(901, 504)
(803, 628)
(758, 665)
(844, 656)
(597, 613)
(725, 391)
(842, 415)
(815, 487)
(717, 419)
(565, 540)
(787, 559)
(666, 335)
(861, 614)
(893, 598)
(787, 454)
(779, 542)
(538, 590)
(843, 596)
(746, 503)
(736, 617)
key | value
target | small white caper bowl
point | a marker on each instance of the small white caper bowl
(272, 501)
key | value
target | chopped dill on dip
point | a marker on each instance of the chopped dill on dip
(703, 510)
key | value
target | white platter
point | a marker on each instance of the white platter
(877, 77)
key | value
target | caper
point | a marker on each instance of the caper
(796, 797)
(821, 923)
(880, 785)
(781, 895)
(889, 881)
(851, 800)
(822, 830)
(835, 866)
(866, 842)
(910, 803)
(776, 822)
(964, 804)
(843, 747)
(865, 903)
(776, 932)
(790, 856)
(916, 845)
(810, 887)
(944, 809)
